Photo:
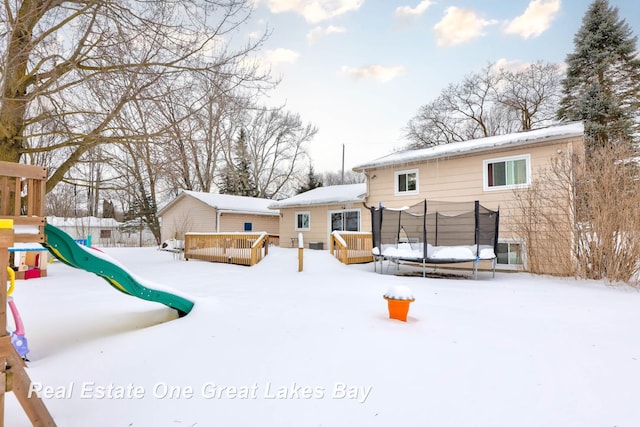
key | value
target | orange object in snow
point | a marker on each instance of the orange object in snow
(398, 308)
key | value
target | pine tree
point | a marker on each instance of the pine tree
(602, 86)
(108, 210)
(312, 181)
(237, 178)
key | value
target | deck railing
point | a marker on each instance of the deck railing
(351, 247)
(232, 248)
(22, 193)
(274, 240)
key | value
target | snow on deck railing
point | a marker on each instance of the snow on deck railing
(336, 235)
(351, 247)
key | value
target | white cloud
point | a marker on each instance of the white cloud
(408, 14)
(513, 65)
(459, 26)
(281, 55)
(319, 32)
(535, 20)
(314, 10)
(379, 73)
(516, 65)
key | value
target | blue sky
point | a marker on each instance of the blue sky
(360, 69)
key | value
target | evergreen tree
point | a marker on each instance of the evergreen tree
(237, 176)
(108, 210)
(602, 85)
(312, 181)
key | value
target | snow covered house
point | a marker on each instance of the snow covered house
(318, 212)
(489, 170)
(103, 231)
(193, 211)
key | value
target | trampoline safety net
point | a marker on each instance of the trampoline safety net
(435, 224)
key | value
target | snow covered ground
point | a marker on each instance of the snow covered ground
(270, 346)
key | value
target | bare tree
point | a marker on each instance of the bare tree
(432, 126)
(335, 178)
(71, 68)
(141, 167)
(489, 102)
(462, 111)
(545, 216)
(141, 174)
(532, 93)
(581, 217)
(200, 123)
(277, 143)
(61, 202)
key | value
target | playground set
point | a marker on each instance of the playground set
(29, 262)
(22, 197)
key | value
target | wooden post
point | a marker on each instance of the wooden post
(13, 377)
(300, 252)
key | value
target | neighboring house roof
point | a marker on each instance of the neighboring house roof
(85, 221)
(490, 143)
(325, 196)
(227, 203)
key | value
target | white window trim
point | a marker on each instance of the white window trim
(295, 219)
(523, 254)
(345, 210)
(342, 210)
(485, 172)
(405, 172)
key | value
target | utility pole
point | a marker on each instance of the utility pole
(342, 179)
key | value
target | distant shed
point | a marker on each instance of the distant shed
(193, 211)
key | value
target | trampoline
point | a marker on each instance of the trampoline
(435, 232)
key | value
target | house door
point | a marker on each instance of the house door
(346, 220)
(343, 220)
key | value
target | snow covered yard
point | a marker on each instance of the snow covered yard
(269, 346)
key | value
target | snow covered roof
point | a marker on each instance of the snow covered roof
(476, 145)
(324, 196)
(228, 202)
(85, 221)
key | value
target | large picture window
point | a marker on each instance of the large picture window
(507, 172)
(303, 221)
(406, 182)
(345, 220)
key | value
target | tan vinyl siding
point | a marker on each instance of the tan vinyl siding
(187, 214)
(233, 222)
(319, 222)
(461, 179)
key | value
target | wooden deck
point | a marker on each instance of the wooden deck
(351, 247)
(231, 248)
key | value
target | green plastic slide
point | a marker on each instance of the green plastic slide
(63, 247)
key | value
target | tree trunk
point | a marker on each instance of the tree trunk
(15, 81)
